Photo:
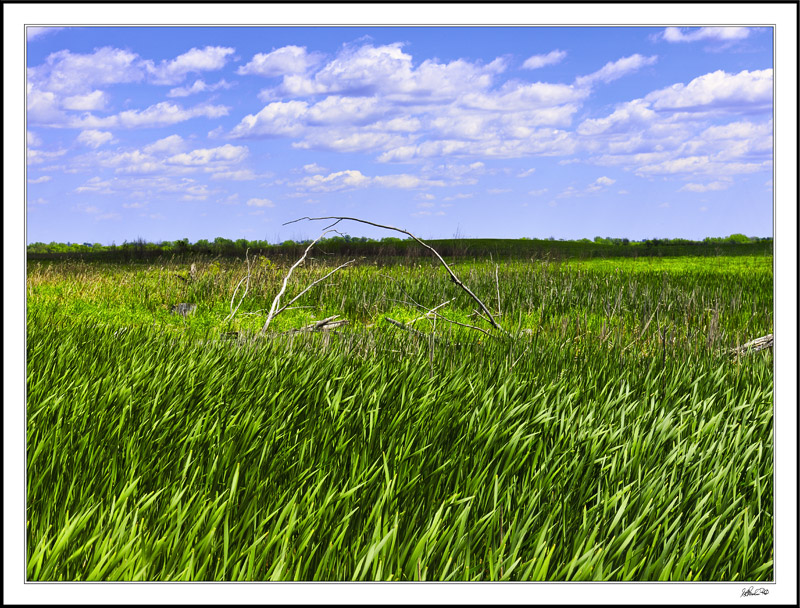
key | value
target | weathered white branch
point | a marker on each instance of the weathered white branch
(453, 277)
(277, 299)
(233, 312)
(297, 297)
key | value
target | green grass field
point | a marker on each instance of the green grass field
(610, 436)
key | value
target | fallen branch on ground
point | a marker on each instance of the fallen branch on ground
(753, 346)
(326, 324)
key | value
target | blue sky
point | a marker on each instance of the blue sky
(165, 133)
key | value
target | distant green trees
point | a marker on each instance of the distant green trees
(139, 248)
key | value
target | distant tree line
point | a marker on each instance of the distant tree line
(392, 246)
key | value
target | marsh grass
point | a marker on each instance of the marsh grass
(614, 441)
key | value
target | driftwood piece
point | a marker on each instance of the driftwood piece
(326, 324)
(753, 346)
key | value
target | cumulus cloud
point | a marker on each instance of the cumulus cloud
(95, 185)
(314, 168)
(742, 92)
(285, 60)
(158, 115)
(34, 33)
(76, 73)
(96, 100)
(526, 173)
(169, 145)
(701, 165)
(40, 180)
(375, 99)
(677, 34)
(340, 180)
(195, 60)
(240, 175)
(539, 61)
(695, 128)
(705, 187)
(204, 156)
(616, 69)
(35, 157)
(199, 86)
(387, 70)
(32, 139)
(353, 179)
(278, 118)
(94, 138)
(260, 202)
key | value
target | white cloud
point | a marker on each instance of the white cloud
(539, 61)
(314, 168)
(40, 180)
(195, 60)
(32, 139)
(627, 115)
(537, 192)
(237, 176)
(94, 138)
(368, 70)
(286, 60)
(278, 118)
(158, 115)
(352, 179)
(677, 34)
(95, 185)
(701, 165)
(375, 99)
(260, 202)
(603, 181)
(35, 157)
(339, 180)
(742, 92)
(34, 33)
(616, 69)
(96, 100)
(66, 72)
(204, 156)
(199, 86)
(705, 187)
(526, 173)
(169, 145)
(498, 190)
(403, 181)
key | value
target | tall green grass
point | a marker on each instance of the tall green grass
(595, 447)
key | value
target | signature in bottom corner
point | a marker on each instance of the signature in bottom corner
(751, 591)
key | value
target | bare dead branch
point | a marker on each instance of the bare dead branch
(453, 277)
(406, 327)
(431, 311)
(753, 346)
(247, 276)
(497, 284)
(297, 297)
(462, 324)
(326, 324)
(277, 299)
